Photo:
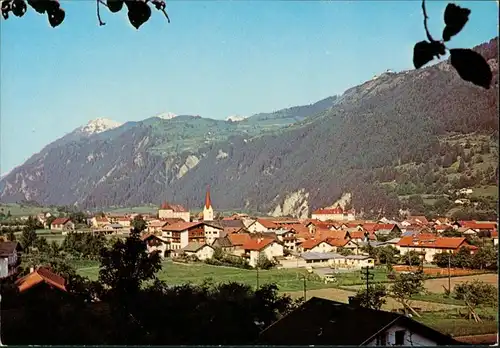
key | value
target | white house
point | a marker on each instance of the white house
(157, 243)
(168, 211)
(212, 231)
(61, 224)
(201, 251)
(9, 258)
(262, 225)
(336, 214)
(430, 245)
(254, 248)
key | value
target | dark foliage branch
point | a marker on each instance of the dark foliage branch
(139, 11)
(470, 65)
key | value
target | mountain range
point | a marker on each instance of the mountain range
(285, 162)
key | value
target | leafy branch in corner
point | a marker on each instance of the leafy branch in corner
(139, 11)
(470, 65)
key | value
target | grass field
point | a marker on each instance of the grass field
(450, 322)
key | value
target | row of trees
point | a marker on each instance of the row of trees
(475, 294)
(485, 258)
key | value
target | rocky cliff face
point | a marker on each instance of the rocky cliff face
(285, 162)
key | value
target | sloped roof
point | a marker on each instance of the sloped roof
(223, 242)
(208, 202)
(232, 223)
(239, 238)
(181, 226)
(324, 322)
(195, 246)
(41, 275)
(257, 244)
(267, 223)
(323, 234)
(430, 241)
(60, 221)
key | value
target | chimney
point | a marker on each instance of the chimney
(32, 269)
(259, 240)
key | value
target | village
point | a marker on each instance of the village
(333, 247)
(332, 237)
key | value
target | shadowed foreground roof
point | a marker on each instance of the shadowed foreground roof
(325, 322)
(41, 275)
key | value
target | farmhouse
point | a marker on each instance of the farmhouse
(9, 258)
(261, 225)
(201, 251)
(334, 260)
(168, 211)
(336, 214)
(287, 238)
(429, 245)
(61, 224)
(330, 323)
(157, 243)
(182, 233)
(254, 248)
(224, 243)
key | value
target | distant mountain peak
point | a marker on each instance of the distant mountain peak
(98, 125)
(235, 118)
(166, 115)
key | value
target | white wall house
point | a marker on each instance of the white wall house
(201, 251)
(398, 335)
(267, 247)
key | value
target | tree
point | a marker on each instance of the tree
(476, 294)
(451, 232)
(344, 251)
(388, 255)
(28, 236)
(138, 223)
(405, 286)
(373, 297)
(263, 262)
(485, 258)
(50, 220)
(139, 11)
(411, 258)
(127, 265)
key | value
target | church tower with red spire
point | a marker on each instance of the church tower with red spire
(208, 211)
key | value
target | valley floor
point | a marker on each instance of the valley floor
(439, 312)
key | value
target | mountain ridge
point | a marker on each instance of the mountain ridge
(292, 159)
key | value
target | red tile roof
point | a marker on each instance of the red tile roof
(310, 243)
(323, 234)
(337, 242)
(257, 244)
(41, 275)
(300, 230)
(431, 241)
(239, 238)
(337, 210)
(267, 223)
(60, 221)
(494, 233)
(422, 219)
(361, 235)
(181, 226)
(175, 207)
(478, 225)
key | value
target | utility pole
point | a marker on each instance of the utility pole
(366, 275)
(305, 288)
(449, 274)
(1, 344)
(257, 268)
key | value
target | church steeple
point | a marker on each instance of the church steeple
(208, 212)
(208, 203)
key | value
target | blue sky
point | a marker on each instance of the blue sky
(216, 58)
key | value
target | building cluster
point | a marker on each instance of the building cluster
(318, 241)
(331, 237)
